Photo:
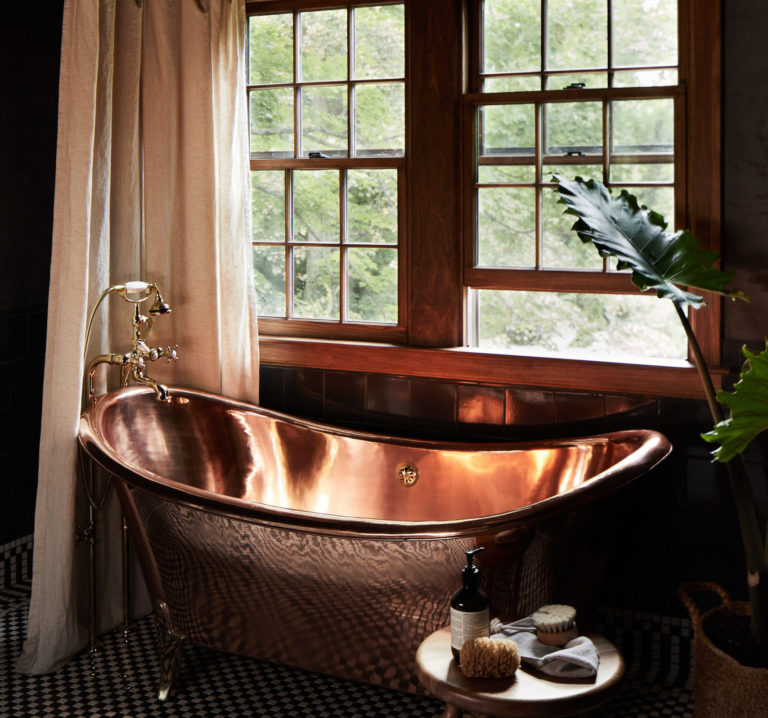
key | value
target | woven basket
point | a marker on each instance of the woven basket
(723, 687)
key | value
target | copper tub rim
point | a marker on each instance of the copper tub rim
(652, 448)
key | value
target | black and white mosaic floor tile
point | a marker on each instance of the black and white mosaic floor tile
(15, 562)
(121, 681)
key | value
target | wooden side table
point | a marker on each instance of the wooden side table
(524, 695)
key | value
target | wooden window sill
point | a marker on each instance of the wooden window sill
(478, 366)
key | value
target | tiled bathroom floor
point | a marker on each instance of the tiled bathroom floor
(122, 682)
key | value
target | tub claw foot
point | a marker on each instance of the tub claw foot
(171, 646)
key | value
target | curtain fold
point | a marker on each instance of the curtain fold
(152, 183)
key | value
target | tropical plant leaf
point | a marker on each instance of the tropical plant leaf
(663, 261)
(748, 403)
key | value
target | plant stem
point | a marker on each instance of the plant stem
(701, 366)
(743, 499)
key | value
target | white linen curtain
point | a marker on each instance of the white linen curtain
(152, 184)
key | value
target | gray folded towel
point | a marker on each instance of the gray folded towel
(577, 659)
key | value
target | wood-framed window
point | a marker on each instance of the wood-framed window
(326, 93)
(456, 157)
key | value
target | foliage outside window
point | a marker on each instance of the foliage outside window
(482, 101)
(327, 136)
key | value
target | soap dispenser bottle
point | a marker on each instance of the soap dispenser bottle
(469, 608)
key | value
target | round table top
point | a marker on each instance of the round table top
(523, 695)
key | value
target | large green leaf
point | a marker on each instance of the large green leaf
(619, 227)
(749, 408)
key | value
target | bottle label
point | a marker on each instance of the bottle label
(466, 625)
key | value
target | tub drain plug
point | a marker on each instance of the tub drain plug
(408, 475)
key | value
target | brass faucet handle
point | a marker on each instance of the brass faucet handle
(155, 353)
(170, 353)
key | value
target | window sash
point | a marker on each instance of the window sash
(549, 279)
(340, 161)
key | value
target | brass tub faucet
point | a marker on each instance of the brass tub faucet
(133, 364)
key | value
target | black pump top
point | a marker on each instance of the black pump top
(471, 555)
(469, 572)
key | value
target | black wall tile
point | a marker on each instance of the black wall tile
(344, 396)
(304, 392)
(481, 405)
(433, 404)
(13, 337)
(387, 399)
(630, 412)
(529, 407)
(27, 380)
(271, 392)
(5, 385)
(36, 328)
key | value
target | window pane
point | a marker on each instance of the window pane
(591, 80)
(372, 285)
(379, 119)
(506, 228)
(645, 78)
(268, 206)
(570, 171)
(323, 45)
(372, 206)
(316, 206)
(644, 33)
(269, 280)
(577, 34)
(643, 172)
(324, 120)
(574, 127)
(270, 49)
(506, 174)
(561, 246)
(507, 130)
(511, 36)
(511, 84)
(646, 126)
(271, 121)
(379, 42)
(316, 283)
(590, 326)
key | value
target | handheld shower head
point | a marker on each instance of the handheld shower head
(160, 306)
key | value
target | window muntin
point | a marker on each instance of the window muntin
(327, 122)
(529, 124)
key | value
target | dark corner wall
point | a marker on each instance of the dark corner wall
(675, 524)
(30, 39)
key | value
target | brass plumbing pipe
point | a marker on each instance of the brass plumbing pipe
(132, 364)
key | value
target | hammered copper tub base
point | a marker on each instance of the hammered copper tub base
(354, 608)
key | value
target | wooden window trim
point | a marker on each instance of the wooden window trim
(475, 366)
(431, 346)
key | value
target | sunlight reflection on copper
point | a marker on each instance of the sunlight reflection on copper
(253, 468)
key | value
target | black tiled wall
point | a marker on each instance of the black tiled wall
(22, 352)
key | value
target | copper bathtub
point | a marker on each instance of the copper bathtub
(333, 550)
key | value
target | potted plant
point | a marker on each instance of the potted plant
(674, 265)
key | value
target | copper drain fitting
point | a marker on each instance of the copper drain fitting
(408, 475)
